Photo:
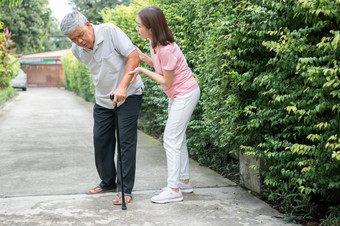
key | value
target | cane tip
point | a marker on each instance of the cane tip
(123, 206)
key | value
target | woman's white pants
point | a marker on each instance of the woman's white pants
(180, 110)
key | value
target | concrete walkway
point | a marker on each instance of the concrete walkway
(47, 166)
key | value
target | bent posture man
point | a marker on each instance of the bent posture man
(110, 55)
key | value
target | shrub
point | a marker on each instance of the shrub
(269, 75)
(77, 77)
(9, 66)
(6, 94)
(333, 217)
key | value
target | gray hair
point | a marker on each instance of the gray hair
(71, 21)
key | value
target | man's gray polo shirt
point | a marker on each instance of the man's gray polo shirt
(107, 61)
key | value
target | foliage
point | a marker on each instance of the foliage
(90, 8)
(77, 77)
(6, 94)
(197, 28)
(333, 217)
(270, 69)
(9, 66)
(56, 40)
(29, 21)
(11, 3)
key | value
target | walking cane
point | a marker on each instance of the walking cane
(119, 155)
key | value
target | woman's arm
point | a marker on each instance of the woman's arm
(144, 57)
(166, 79)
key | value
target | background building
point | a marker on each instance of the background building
(44, 69)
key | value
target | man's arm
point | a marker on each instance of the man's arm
(132, 62)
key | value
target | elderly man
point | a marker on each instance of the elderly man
(110, 55)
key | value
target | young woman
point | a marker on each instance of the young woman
(177, 81)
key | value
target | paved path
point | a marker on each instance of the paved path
(47, 166)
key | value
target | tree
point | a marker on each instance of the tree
(29, 21)
(92, 8)
(11, 2)
(55, 39)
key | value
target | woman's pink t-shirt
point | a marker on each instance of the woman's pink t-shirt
(171, 58)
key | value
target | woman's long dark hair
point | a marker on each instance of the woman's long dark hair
(154, 18)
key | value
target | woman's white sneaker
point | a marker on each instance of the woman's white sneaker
(185, 188)
(168, 195)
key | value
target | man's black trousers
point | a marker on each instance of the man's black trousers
(105, 142)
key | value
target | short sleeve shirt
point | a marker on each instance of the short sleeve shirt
(171, 58)
(106, 62)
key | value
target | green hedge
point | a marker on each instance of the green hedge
(9, 65)
(77, 77)
(6, 94)
(269, 75)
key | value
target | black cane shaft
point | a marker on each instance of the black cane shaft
(119, 158)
